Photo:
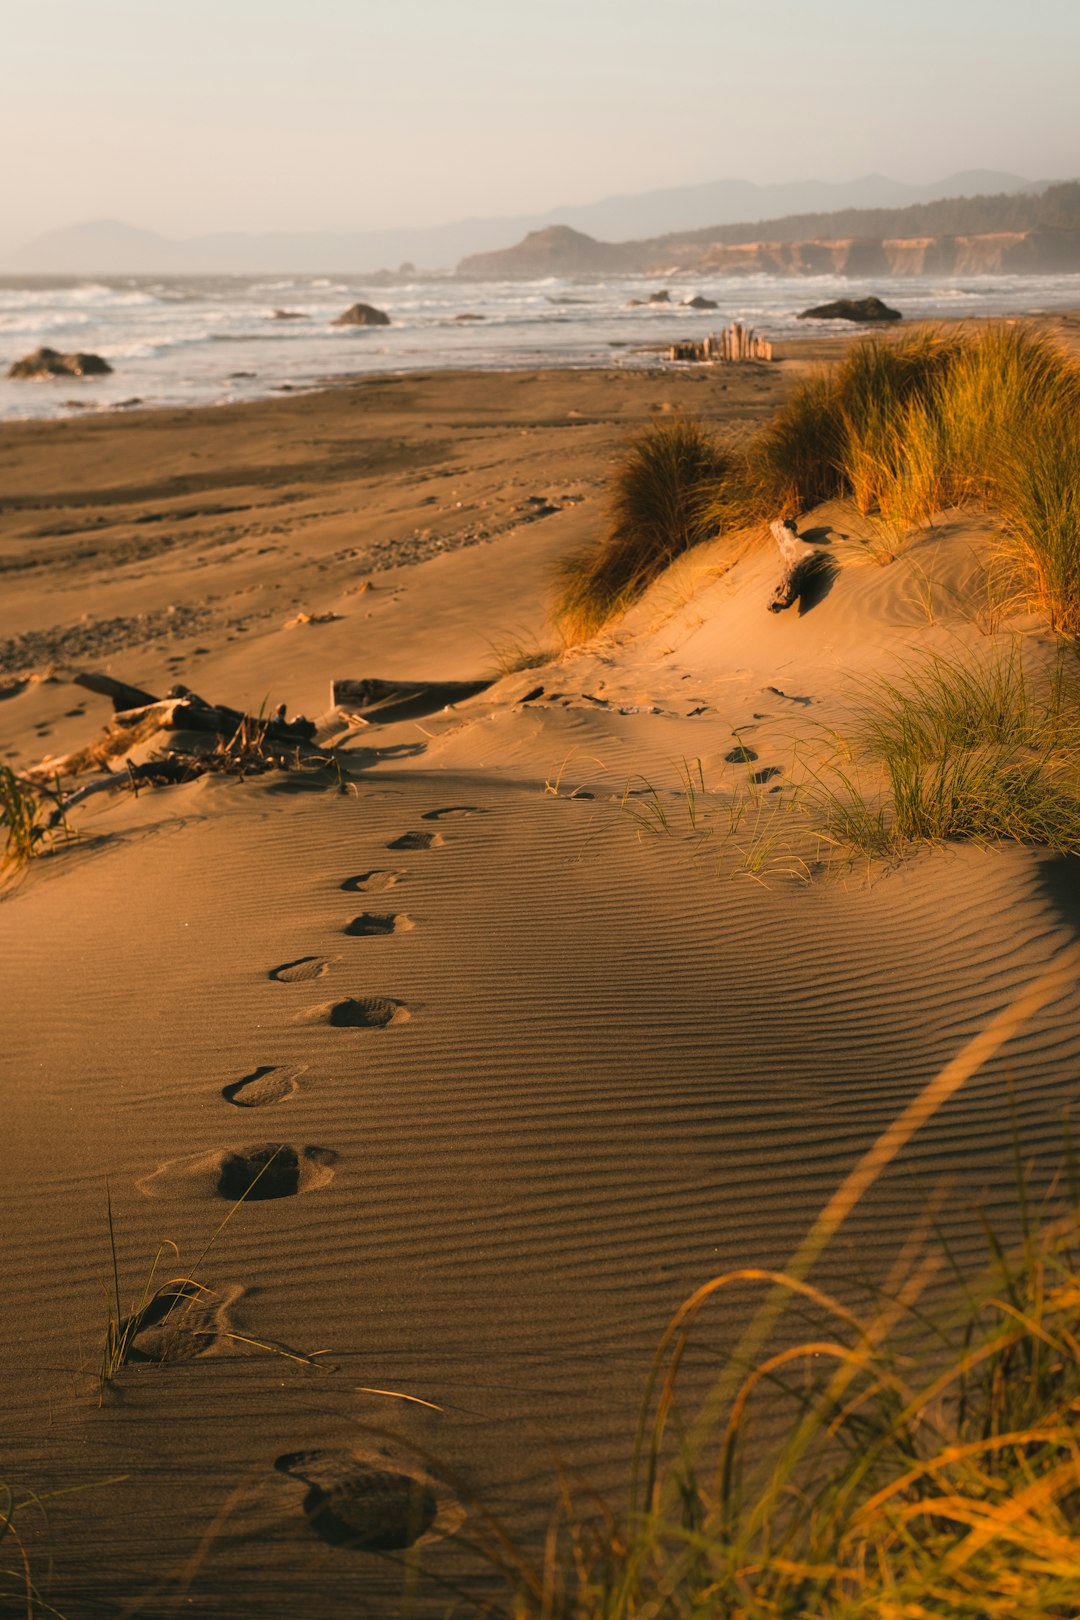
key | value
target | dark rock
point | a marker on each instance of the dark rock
(466, 317)
(51, 363)
(362, 315)
(288, 315)
(865, 310)
(661, 297)
(697, 302)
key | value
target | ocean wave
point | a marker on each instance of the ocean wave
(174, 339)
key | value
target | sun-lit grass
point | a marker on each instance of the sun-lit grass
(1038, 491)
(655, 515)
(919, 1461)
(951, 749)
(904, 427)
(980, 751)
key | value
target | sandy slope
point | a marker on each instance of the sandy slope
(627, 1063)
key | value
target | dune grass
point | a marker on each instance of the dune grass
(32, 818)
(910, 426)
(655, 515)
(950, 749)
(903, 427)
(920, 1460)
(969, 752)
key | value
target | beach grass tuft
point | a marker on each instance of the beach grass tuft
(656, 514)
(987, 752)
(32, 817)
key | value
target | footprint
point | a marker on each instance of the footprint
(417, 840)
(354, 1503)
(273, 1170)
(270, 1170)
(740, 756)
(372, 882)
(181, 1321)
(361, 1012)
(379, 922)
(453, 812)
(766, 774)
(266, 1084)
(305, 967)
(791, 697)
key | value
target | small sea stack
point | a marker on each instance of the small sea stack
(47, 362)
(866, 311)
(362, 315)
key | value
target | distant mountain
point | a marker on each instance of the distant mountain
(726, 202)
(108, 246)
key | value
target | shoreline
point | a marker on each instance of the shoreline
(171, 353)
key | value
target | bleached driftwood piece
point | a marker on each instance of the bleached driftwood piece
(800, 564)
(181, 710)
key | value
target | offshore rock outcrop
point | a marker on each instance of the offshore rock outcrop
(864, 310)
(47, 362)
(362, 315)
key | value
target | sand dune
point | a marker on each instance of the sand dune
(519, 1073)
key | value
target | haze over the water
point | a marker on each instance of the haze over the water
(356, 115)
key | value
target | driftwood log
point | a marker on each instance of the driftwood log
(800, 564)
(123, 696)
(370, 693)
(180, 710)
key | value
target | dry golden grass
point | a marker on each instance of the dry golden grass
(904, 427)
(656, 514)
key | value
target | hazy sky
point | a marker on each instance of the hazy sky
(201, 115)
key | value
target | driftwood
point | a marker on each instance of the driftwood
(367, 693)
(155, 771)
(123, 696)
(399, 700)
(800, 564)
(180, 710)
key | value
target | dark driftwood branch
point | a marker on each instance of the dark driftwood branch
(132, 705)
(800, 564)
(369, 693)
(122, 694)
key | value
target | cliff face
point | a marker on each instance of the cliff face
(560, 251)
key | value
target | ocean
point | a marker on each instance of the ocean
(199, 340)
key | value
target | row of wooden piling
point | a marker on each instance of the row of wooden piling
(736, 342)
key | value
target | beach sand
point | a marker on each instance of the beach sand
(617, 1064)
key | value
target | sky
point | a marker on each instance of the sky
(258, 115)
